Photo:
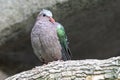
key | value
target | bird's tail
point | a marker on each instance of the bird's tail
(66, 54)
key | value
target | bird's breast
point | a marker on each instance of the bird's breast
(50, 45)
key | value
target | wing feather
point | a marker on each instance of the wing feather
(64, 43)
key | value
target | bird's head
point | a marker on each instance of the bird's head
(46, 15)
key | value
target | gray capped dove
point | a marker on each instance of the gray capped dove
(48, 39)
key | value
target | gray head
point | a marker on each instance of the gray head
(45, 15)
(46, 12)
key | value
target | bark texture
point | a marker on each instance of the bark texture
(89, 69)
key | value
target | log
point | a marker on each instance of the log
(89, 69)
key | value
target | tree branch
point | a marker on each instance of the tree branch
(89, 69)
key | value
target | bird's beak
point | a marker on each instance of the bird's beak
(52, 20)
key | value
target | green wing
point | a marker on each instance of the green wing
(66, 53)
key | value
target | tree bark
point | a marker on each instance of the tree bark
(89, 69)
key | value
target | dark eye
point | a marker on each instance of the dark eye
(44, 15)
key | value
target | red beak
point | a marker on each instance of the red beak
(52, 20)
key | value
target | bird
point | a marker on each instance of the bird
(48, 39)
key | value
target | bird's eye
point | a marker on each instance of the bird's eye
(44, 15)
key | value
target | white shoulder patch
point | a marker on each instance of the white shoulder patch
(59, 26)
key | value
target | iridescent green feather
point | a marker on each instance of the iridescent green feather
(63, 41)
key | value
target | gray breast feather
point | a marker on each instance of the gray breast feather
(46, 44)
